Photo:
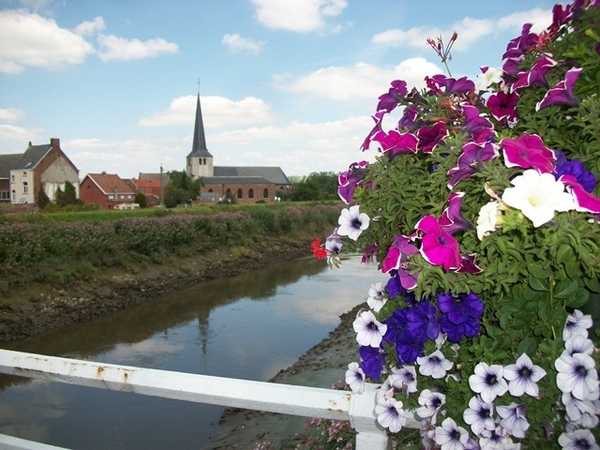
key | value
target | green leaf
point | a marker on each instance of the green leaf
(538, 271)
(578, 299)
(565, 288)
(543, 311)
(564, 253)
(527, 345)
(536, 284)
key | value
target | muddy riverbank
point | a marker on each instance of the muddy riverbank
(35, 308)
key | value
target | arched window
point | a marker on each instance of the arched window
(240, 193)
(250, 193)
(266, 193)
(210, 190)
(228, 192)
(204, 161)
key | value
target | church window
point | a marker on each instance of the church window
(266, 193)
(250, 193)
(240, 194)
(210, 190)
(204, 161)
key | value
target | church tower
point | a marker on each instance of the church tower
(199, 163)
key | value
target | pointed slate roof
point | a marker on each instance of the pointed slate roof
(8, 163)
(199, 144)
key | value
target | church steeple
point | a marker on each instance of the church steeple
(199, 161)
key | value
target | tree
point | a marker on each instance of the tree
(140, 199)
(181, 189)
(316, 186)
(43, 199)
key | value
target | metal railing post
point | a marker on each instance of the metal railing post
(370, 435)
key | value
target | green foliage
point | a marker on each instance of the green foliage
(43, 200)
(316, 186)
(182, 189)
(140, 199)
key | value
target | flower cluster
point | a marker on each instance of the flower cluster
(482, 208)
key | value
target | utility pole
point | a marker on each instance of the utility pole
(162, 187)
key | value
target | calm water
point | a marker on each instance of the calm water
(249, 326)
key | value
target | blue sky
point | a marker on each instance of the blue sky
(288, 83)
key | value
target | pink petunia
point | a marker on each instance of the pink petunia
(584, 201)
(438, 247)
(528, 152)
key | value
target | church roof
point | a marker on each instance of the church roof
(199, 144)
(274, 175)
(235, 180)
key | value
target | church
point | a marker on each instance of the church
(240, 184)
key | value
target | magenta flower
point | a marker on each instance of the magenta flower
(471, 160)
(477, 127)
(504, 105)
(528, 151)
(430, 137)
(349, 180)
(449, 85)
(408, 119)
(537, 74)
(394, 143)
(376, 129)
(563, 93)
(388, 102)
(584, 200)
(397, 258)
(468, 265)
(438, 247)
(451, 219)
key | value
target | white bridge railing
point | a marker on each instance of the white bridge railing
(263, 396)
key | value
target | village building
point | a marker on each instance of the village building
(245, 184)
(108, 190)
(40, 168)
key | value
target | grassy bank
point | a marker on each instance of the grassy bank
(61, 249)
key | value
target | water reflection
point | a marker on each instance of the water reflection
(249, 326)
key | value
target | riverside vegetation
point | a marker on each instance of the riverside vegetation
(66, 268)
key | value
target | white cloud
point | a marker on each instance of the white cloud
(469, 30)
(11, 114)
(90, 27)
(31, 40)
(237, 43)
(16, 134)
(216, 112)
(297, 15)
(359, 81)
(114, 47)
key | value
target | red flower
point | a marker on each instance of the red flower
(318, 251)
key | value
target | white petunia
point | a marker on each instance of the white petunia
(488, 382)
(487, 219)
(369, 332)
(577, 374)
(450, 436)
(352, 222)
(513, 420)
(430, 402)
(485, 79)
(376, 299)
(404, 379)
(497, 439)
(578, 344)
(577, 324)
(523, 377)
(434, 365)
(537, 195)
(355, 378)
(389, 414)
(582, 413)
(479, 415)
(578, 440)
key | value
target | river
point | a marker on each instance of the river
(249, 326)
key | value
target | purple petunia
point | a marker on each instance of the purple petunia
(460, 315)
(563, 93)
(528, 151)
(471, 161)
(397, 258)
(430, 137)
(451, 219)
(349, 180)
(438, 247)
(394, 143)
(372, 362)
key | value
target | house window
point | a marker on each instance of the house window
(24, 174)
(122, 196)
(266, 193)
(25, 187)
(129, 196)
(14, 196)
(210, 190)
(12, 178)
(240, 194)
(250, 193)
(111, 197)
(4, 195)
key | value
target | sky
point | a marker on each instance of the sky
(289, 83)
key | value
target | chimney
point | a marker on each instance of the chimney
(55, 142)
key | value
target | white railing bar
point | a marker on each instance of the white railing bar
(14, 443)
(256, 395)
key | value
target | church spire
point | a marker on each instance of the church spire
(199, 144)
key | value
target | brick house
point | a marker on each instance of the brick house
(42, 167)
(247, 184)
(106, 190)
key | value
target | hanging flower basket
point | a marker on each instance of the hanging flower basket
(482, 207)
